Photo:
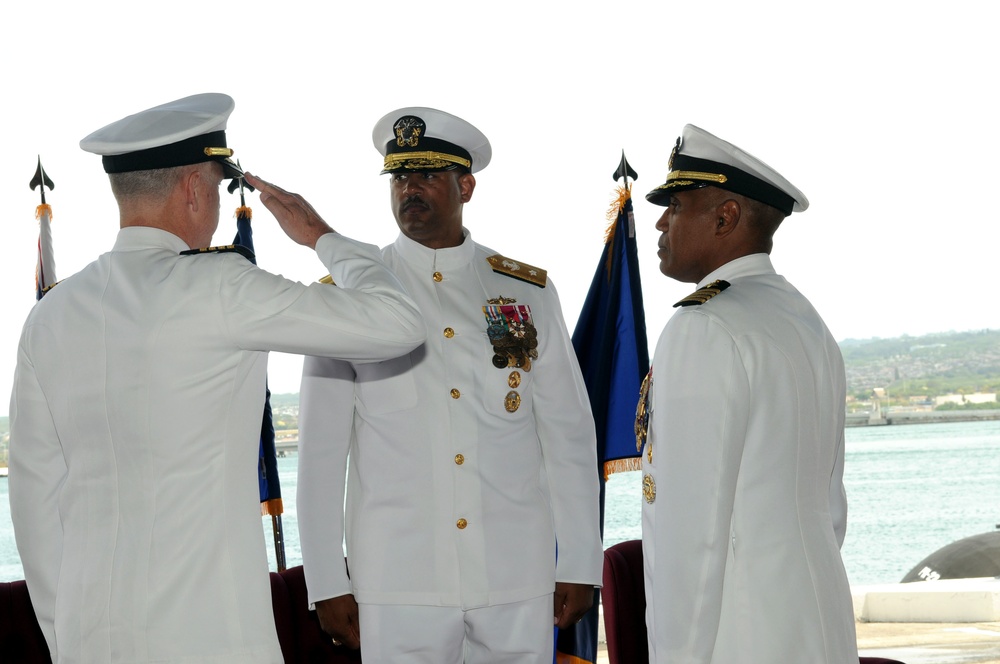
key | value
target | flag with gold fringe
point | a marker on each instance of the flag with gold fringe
(610, 344)
(267, 470)
(610, 340)
(45, 269)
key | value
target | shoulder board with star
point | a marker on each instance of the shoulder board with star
(703, 295)
(523, 271)
(222, 249)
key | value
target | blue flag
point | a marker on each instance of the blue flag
(610, 343)
(267, 465)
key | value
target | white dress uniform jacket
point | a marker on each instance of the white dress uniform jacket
(741, 543)
(452, 499)
(135, 423)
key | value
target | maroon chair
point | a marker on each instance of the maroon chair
(21, 638)
(624, 603)
(312, 645)
(302, 641)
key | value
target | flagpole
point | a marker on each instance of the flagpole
(609, 341)
(45, 271)
(625, 172)
(270, 497)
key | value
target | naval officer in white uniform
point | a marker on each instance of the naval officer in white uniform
(137, 402)
(744, 507)
(471, 458)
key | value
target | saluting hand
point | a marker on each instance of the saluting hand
(294, 214)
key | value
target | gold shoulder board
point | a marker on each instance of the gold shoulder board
(703, 295)
(222, 249)
(328, 279)
(522, 271)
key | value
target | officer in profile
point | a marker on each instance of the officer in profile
(471, 458)
(138, 396)
(744, 508)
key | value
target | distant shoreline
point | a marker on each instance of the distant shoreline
(889, 417)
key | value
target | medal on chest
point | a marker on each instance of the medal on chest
(512, 333)
(642, 417)
(515, 342)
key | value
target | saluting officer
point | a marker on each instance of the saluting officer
(744, 508)
(471, 458)
(137, 402)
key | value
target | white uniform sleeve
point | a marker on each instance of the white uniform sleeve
(565, 427)
(326, 416)
(838, 494)
(37, 471)
(367, 316)
(699, 419)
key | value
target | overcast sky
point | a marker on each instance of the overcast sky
(883, 113)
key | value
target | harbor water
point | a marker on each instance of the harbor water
(911, 489)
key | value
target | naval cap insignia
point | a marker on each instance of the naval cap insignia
(670, 162)
(408, 130)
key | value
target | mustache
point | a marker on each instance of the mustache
(410, 201)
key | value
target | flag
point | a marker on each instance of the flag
(45, 269)
(267, 465)
(610, 342)
(611, 347)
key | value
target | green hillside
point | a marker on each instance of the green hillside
(928, 366)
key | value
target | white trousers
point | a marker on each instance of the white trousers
(516, 633)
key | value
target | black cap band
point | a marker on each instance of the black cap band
(194, 150)
(691, 173)
(429, 151)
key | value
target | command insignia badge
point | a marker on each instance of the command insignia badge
(648, 488)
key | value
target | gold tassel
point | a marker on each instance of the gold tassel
(621, 466)
(272, 507)
(44, 207)
(617, 205)
(245, 211)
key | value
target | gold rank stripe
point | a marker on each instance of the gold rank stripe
(703, 295)
(522, 271)
(328, 279)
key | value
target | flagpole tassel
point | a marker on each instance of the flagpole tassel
(244, 211)
(44, 208)
(621, 466)
(272, 507)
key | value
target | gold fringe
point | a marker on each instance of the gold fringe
(44, 207)
(622, 194)
(621, 466)
(272, 507)
(245, 211)
(563, 658)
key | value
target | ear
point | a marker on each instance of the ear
(466, 185)
(728, 213)
(194, 192)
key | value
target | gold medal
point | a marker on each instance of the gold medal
(648, 488)
(512, 401)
